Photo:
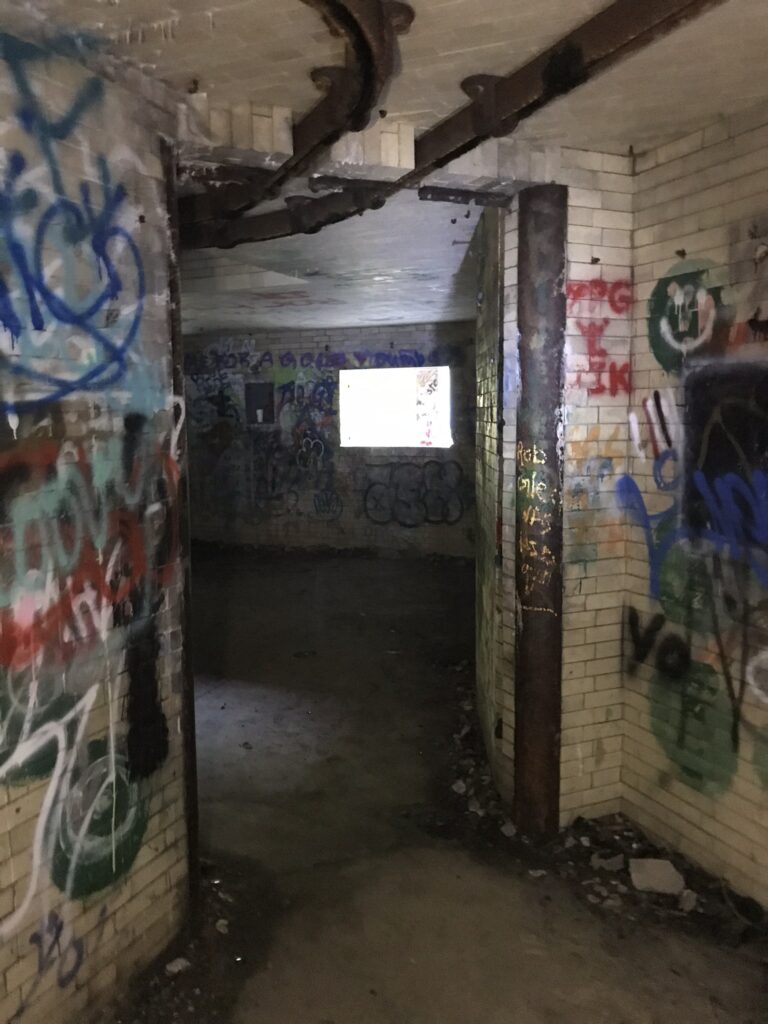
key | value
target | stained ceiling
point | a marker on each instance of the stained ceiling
(411, 262)
(261, 51)
(713, 67)
(408, 261)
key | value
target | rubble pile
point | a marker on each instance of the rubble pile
(612, 864)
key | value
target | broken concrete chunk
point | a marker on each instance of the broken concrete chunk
(222, 926)
(508, 829)
(650, 874)
(459, 787)
(473, 806)
(177, 966)
(688, 901)
(601, 863)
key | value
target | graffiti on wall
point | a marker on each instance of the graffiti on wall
(73, 285)
(707, 549)
(281, 468)
(694, 313)
(287, 467)
(241, 356)
(592, 305)
(416, 493)
(89, 475)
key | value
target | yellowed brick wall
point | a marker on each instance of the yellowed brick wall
(597, 385)
(505, 749)
(665, 693)
(489, 361)
(695, 765)
(92, 836)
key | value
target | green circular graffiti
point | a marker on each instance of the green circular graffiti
(97, 831)
(691, 718)
(685, 588)
(685, 315)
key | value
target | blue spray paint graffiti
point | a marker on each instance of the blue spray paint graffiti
(68, 234)
(707, 548)
(737, 510)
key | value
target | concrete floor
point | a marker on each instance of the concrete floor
(326, 700)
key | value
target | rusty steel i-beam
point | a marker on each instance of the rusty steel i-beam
(543, 217)
(497, 104)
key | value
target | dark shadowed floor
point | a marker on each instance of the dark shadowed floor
(324, 700)
(327, 695)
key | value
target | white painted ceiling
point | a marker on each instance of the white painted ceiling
(406, 263)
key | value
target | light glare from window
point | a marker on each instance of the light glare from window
(408, 407)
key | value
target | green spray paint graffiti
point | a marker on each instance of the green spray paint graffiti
(708, 560)
(691, 720)
(97, 831)
(685, 315)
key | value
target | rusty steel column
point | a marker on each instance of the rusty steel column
(543, 222)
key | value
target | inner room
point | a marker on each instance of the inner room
(330, 387)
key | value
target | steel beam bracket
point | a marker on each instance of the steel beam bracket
(486, 119)
(350, 95)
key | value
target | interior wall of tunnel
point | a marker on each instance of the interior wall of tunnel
(92, 827)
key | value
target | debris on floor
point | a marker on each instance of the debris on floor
(601, 863)
(652, 874)
(612, 864)
(177, 966)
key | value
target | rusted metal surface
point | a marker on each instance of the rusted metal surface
(464, 196)
(497, 105)
(543, 220)
(350, 94)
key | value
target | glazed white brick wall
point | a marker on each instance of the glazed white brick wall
(122, 926)
(488, 595)
(596, 436)
(704, 193)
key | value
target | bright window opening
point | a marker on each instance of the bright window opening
(403, 408)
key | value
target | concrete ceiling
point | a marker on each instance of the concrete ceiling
(262, 51)
(406, 263)
(243, 50)
(402, 264)
(713, 67)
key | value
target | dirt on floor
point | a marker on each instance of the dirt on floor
(359, 866)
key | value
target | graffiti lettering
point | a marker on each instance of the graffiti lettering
(40, 300)
(708, 568)
(589, 295)
(198, 365)
(413, 494)
(585, 299)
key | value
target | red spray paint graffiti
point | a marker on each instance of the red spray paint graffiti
(587, 300)
(82, 535)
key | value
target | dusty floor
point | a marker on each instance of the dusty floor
(326, 704)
